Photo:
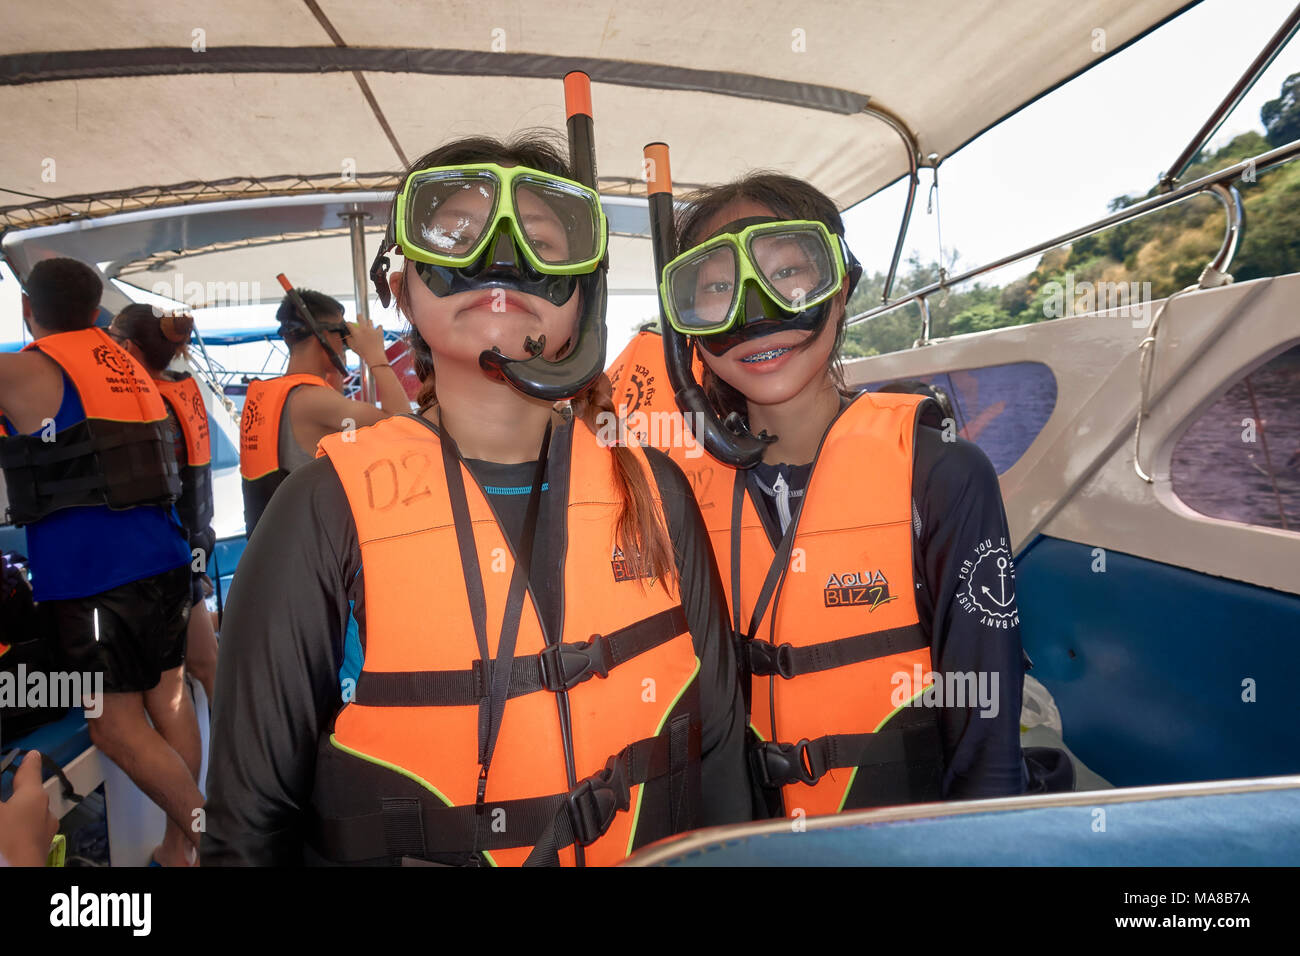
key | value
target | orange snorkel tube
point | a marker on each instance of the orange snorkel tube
(304, 313)
(570, 375)
(730, 442)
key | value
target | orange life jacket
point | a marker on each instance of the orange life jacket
(400, 774)
(837, 647)
(119, 455)
(186, 401)
(259, 441)
(642, 393)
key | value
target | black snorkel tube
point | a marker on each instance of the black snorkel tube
(570, 375)
(730, 442)
(304, 313)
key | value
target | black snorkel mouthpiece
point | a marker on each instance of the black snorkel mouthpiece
(730, 442)
(570, 375)
(309, 320)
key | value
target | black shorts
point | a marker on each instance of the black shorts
(142, 626)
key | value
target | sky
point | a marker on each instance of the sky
(1053, 166)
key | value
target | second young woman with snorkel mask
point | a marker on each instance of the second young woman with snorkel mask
(848, 532)
(536, 674)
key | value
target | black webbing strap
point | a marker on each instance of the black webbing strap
(744, 640)
(557, 668)
(589, 810)
(909, 741)
(742, 657)
(11, 761)
(424, 827)
(775, 571)
(492, 707)
(786, 660)
(679, 760)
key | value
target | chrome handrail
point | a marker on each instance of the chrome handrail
(1226, 194)
(205, 374)
(1234, 97)
(913, 180)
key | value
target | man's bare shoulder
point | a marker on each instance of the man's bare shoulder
(31, 387)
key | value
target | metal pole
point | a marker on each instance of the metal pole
(1257, 164)
(1239, 90)
(913, 154)
(356, 217)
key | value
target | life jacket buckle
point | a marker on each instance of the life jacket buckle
(765, 659)
(596, 800)
(564, 666)
(778, 765)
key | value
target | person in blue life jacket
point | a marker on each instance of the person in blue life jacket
(90, 473)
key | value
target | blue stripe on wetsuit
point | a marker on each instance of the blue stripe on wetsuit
(516, 490)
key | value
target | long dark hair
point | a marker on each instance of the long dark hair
(160, 338)
(639, 533)
(788, 198)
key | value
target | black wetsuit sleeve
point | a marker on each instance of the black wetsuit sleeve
(966, 603)
(725, 779)
(278, 674)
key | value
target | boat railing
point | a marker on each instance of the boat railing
(1220, 185)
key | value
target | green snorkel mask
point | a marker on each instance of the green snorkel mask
(754, 277)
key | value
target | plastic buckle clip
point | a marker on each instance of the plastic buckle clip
(596, 800)
(564, 666)
(765, 659)
(779, 764)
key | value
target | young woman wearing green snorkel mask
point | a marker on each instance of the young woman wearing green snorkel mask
(847, 531)
(471, 642)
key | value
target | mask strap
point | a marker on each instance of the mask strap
(380, 266)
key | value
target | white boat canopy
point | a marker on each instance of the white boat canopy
(111, 106)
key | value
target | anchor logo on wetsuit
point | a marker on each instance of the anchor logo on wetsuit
(990, 589)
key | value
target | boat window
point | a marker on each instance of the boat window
(1001, 408)
(1240, 460)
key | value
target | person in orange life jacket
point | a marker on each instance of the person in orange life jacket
(285, 417)
(155, 341)
(404, 560)
(880, 537)
(110, 561)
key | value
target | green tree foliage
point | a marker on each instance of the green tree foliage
(1167, 249)
(1282, 116)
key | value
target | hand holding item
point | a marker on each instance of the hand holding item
(27, 826)
(368, 342)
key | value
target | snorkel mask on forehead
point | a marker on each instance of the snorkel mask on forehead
(484, 226)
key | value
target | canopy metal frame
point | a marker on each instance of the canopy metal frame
(1218, 184)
